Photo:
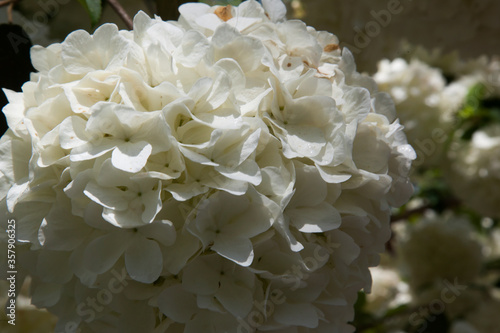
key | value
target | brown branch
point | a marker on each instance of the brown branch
(118, 8)
(5, 2)
(406, 214)
(449, 203)
(10, 4)
(9, 13)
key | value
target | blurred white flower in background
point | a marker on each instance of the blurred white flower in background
(474, 170)
(388, 291)
(462, 326)
(28, 317)
(440, 249)
(418, 91)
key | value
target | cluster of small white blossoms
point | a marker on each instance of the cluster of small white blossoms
(429, 107)
(437, 251)
(474, 170)
(228, 172)
(473, 166)
(420, 94)
(388, 291)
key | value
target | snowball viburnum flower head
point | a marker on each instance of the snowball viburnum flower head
(474, 170)
(188, 173)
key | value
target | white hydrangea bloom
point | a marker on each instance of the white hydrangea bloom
(474, 170)
(228, 171)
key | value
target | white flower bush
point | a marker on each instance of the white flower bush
(227, 172)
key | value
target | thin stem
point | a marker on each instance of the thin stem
(118, 8)
(449, 203)
(408, 213)
(9, 12)
(10, 4)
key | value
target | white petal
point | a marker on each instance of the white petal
(109, 197)
(236, 299)
(106, 49)
(16, 192)
(297, 315)
(320, 218)
(239, 250)
(103, 252)
(248, 171)
(357, 104)
(131, 156)
(193, 48)
(177, 304)
(143, 260)
(46, 294)
(331, 175)
(72, 132)
(303, 141)
(276, 9)
(50, 268)
(200, 278)
(89, 151)
(191, 11)
(163, 231)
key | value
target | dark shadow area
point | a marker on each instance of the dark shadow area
(15, 63)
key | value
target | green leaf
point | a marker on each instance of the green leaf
(479, 110)
(94, 9)
(401, 309)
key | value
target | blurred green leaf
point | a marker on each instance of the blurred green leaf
(403, 308)
(434, 190)
(478, 111)
(94, 9)
(363, 319)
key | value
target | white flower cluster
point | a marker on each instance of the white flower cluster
(440, 249)
(229, 172)
(421, 97)
(473, 166)
(474, 170)
(388, 291)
